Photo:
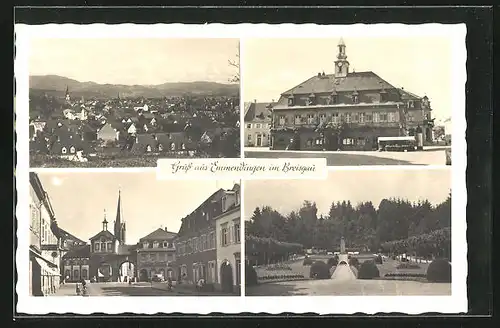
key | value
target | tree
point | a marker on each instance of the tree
(236, 64)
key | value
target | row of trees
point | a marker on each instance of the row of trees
(363, 225)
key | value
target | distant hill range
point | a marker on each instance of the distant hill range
(56, 85)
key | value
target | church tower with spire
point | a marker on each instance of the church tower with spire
(67, 94)
(341, 64)
(119, 226)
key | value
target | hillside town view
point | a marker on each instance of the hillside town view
(89, 124)
(121, 256)
(393, 246)
(348, 116)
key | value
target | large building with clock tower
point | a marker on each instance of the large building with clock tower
(346, 110)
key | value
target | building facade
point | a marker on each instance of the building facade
(156, 255)
(229, 242)
(257, 124)
(347, 111)
(45, 250)
(196, 242)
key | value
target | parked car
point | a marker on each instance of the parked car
(448, 156)
(157, 278)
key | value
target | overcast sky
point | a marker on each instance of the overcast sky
(422, 65)
(356, 186)
(79, 200)
(135, 61)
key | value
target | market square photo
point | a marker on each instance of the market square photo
(336, 237)
(358, 101)
(127, 102)
(132, 236)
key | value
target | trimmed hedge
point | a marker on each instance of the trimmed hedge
(439, 271)
(250, 276)
(333, 261)
(368, 270)
(320, 270)
(307, 261)
(408, 265)
(354, 262)
(282, 277)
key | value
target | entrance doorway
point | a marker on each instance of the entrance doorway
(127, 271)
(259, 140)
(226, 277)
(143, 275)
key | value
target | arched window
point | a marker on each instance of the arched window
(148, 148)
(160, 147)
(172, 146)
(85, 274)
(64, 150)
(67, 274)
(72, 150)
(183, 146)
(76, 274)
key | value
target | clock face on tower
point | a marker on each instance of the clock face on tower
(339, 64)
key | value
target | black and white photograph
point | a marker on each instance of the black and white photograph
(351, 100)
(339, 237)
(125, 234)
(122, 102)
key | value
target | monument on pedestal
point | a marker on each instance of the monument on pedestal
(342, 246)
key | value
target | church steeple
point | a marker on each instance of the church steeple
(67, 94)
(119, 228)
(341, 64)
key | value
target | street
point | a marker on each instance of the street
(343, 287)
(124, 289)
(429, 156)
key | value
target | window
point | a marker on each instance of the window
(165, 244)
(258, 125)
(103, 247)
(96, 247)
(249, 126)
(391, 117)
(195, 245)
(322, 118)
(368, 117)
(160, 147)
(145, 244)
(148, 148)
(144, 257)
(355, 99)
(85, 274)
(224, 236)
(410, 117)
(172, 146)
(64, 150)
(152, 257)
(335, 118)
(223, 202)
(297, 119)
(361, 141)
(310, 119)
(348, 141)
(348, 117)
(334, 99)
(156, 244)
(411, 104)
(361, 117)
(290, 101)
(212, 240)
(355, 117)
(282, 120)
(34, 213)
(183, 146)
(162, 256)
(376, 117)
(383, 117)
(237, 232)
(72, 150)
(110, 247)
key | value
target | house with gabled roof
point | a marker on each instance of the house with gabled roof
(347, 110)
(257, 124)
(156, 255)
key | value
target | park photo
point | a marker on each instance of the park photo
(370, 232)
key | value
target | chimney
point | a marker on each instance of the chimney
(255, 100)
(166, 228)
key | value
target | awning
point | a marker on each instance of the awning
(44, 264)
